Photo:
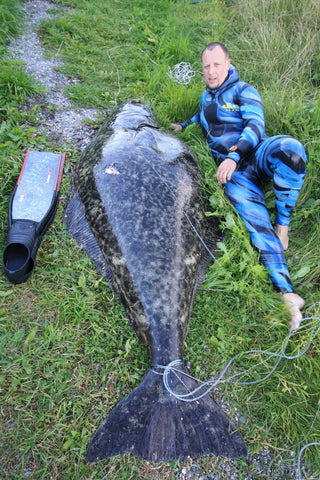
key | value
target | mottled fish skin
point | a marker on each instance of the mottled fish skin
(135, 206)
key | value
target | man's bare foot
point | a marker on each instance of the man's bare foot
(282, 233)
(295, 304)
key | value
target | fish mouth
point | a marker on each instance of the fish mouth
(149, 125)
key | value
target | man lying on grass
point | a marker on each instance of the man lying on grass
(232, 119)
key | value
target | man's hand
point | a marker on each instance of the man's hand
(225, 170)
(176, 127)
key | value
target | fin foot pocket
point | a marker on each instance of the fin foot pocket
(17, 255)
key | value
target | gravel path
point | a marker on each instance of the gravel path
(64, 122)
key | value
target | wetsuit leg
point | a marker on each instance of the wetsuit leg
(283, 159)
(245, 194)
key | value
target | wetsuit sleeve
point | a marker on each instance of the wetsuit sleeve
(251, 110)
(194, 119)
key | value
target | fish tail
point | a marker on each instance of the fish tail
(152, 424)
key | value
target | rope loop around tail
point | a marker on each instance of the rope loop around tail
(165, 369)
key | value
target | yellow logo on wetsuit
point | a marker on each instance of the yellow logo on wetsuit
(231, 107)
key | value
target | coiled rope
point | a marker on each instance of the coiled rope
(209, 385)
(182, 73)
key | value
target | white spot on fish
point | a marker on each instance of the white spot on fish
(112, 171)
(118, 260)
(190, 260)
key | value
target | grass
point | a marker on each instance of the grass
(67, 352)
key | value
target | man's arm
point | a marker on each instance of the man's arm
(251, 110)
(178, 127)
(254, 128)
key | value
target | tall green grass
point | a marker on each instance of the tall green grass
(278, 50)
(67, 353)
(10, 18)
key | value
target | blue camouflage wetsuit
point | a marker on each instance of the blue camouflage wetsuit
(232, 121)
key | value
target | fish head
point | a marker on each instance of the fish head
(133, 115)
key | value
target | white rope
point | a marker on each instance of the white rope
(182, 73)
(299, 457)
(211, 384)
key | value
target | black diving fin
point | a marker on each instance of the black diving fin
(31, 210)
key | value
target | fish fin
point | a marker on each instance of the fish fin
(152, 424)
(79, 229)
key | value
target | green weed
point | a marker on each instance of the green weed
(10, 19)
(14, 84)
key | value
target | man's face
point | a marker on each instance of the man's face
(215, 67)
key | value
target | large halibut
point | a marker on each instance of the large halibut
(137, 209)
